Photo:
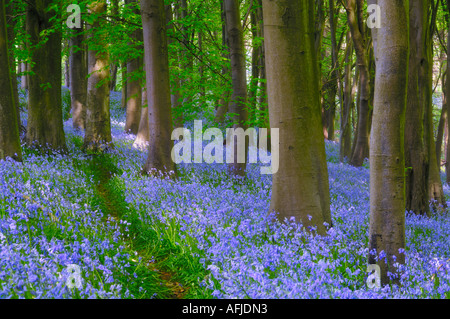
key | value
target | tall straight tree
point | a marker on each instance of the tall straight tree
(11, 22)
(447, 93)
(387, 161)
(98, 124)
(134, 93)
(78, 78)
(9, 129)
(345, 146)
(436, 192)
(359, 35)
(45, 120)
(416, 154)
(300, 188)
(158, 87)
(238, 101)
(422, 173)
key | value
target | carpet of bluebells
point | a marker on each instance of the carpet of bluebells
(48, 222)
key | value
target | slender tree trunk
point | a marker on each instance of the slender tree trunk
(300, 188)
(175, 96)
(346, 127)
(416, 155)
(78, 74)
(158, 88)
(436, 191)
(254, 81)
(98, 122)
(238, 78)
(114, 66)
(24, 77)
(387, 163)
(185, 57)
(45, 120)
(66, 69)
(9, 129)
(222, 108)
(442, 123)
(331, 111)
(134, 97)
(361, 149)
(11, 38)
(124, 86)
(262, 101)
(143, 135)
(447, 94)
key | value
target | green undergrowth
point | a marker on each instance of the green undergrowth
(161, 269)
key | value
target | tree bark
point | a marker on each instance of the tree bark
(345, 146)
(447, 94)
(300, 188)
(416, 155)
(175, 96)
(45, 121)
(387, 163)
(361, 149)
(12, 63)
(238, 78)
(78, 81)
(158, 88)
(330, 111)
(442, 123)
(9, 129)
(134, 97)
(222, 107)
(436, 192)
(143, 135)
(123, 68)
(98, 123)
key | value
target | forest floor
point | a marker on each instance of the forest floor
(202, 235)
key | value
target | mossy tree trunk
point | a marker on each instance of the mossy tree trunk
(78, 81)
(98, 123)
(45, 119)
(9, 129)
(300, 188)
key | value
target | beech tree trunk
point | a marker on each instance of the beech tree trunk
(175, 96)
(134, 97)
(442, 123)
(123, 68)
(78, 81)
(345, 145)
(9, 129)
(24, 77)
(143, 135)
(12, 63)
(330, 111)
(361, 149)
(222, 107)
(416, 155)
(436, 192)
(98, 124)
(300, 188)
(158, 88)
(447, 94)
(238, 78)
(387, 163)
(45, 121)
